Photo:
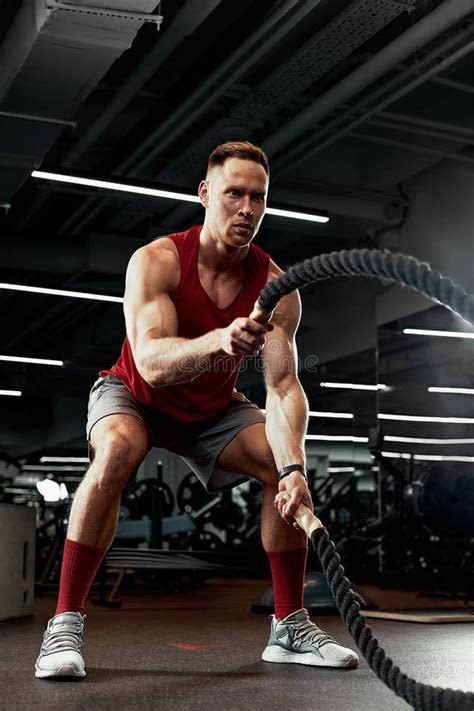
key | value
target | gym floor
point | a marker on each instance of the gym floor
(201, 649)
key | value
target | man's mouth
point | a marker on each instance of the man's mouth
(244, 226)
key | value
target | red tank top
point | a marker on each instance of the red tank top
(211, 392)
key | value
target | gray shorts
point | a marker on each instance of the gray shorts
(198, 444)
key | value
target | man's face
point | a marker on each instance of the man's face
(234, 196)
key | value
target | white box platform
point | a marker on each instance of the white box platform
(17, 560)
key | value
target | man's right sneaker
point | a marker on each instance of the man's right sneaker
(61, 651)
(297, 640)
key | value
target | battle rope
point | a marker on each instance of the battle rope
(407, 271)
(422, 697)
(399, 268)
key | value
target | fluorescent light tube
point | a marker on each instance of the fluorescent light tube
(419, 418)
(61, 292)
(335, 415)
(454, 391)
(38, 361)
(340, 470)
(337, 438)
(296, 215)
(428, 457)
(353, 386)
(111, 185)
(168, 194)
(426, 440)
(13, 393)
(49, 468)
(428, 332)
(65, 459)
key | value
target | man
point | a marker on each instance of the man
(187, 301)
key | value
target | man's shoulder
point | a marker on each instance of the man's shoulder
(178, 237)
(158, 261)
(162, 246)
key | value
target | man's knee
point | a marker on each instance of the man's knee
(118, 448)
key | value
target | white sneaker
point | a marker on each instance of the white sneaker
(61, 651)
(297, 640)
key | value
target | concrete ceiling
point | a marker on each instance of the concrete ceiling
(351, 99)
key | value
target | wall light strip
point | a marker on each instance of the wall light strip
(13, 393)
(428, 457)
(428, 332)
(353, 386)
(422, 440)
(419, 418)
(37, 361)
(61, 292)
(296, 215)
(53, 468)
(335, 415)
(76, 460)
(454, 391)
(337, 438)
(168, 194)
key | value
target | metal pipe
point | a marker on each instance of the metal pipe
(310, 144)
(441, 19)
(412, 146)
(40, 119)
(422, 71)
(428, 123)
(455, 57)
(420, 131)
(466, 88)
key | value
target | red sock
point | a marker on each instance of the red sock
(79, 567)
(288, 568)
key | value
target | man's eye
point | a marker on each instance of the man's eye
(258, 198)
(234, 193)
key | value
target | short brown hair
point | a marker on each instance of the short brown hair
(238, 149)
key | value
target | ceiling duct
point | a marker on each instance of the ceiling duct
(52, 57)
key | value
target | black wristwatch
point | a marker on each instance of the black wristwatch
(289, 470)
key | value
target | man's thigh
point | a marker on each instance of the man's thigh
(249, 453)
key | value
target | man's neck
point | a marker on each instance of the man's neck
(217, 256)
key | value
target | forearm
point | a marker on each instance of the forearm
(169, 361)
(286, 423)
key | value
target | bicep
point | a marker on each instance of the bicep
(148, 307)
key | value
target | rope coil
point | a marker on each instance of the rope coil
(407, 271)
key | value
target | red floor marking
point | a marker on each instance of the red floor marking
(195, 647)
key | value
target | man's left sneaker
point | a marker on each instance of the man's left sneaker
(297, 640)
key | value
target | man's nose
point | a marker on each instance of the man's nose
(246, 209)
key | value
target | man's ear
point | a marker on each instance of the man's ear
(203, 192)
